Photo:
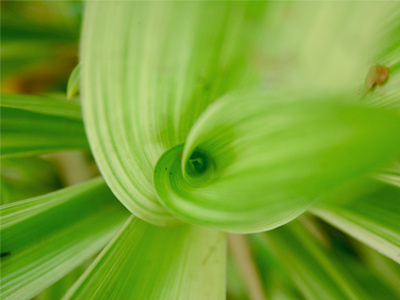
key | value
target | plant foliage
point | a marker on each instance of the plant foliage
(275, 119)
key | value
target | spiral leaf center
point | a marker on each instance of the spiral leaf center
(199, 168)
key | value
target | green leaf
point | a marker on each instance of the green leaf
(61, 287)
(44, 238)
(32, 125)
(317, 272)
(148, 262)
(278, 283)
(43, 105)
(73, 82)
(372, 219)
(390, 175)
(279, 279)
(141, 94)
(252, 163)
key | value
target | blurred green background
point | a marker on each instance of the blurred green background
(39, 50)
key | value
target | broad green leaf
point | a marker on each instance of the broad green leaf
(317, 272)
(32, 125)
(148, 262)
(73, 82)
(143, 93)
(26, 177)
(372, 219)
(252, 163)
(44, 238)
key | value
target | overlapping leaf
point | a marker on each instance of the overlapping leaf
(318, 273)
(32, 125)
(387, 270)
(149, 70)
(373, 219)
(44, 238)
(148, 262)
(250, 163)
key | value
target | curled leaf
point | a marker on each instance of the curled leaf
(143, 93)
(252, 163)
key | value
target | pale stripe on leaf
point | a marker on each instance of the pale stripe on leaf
(372, 219)
(33, 125)
(149, 70)
(44, 238)
(317, 272)
(148, 262)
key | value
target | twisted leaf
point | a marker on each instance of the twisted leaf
(143, 95)
(252, 163)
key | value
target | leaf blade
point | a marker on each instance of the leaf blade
(191, 264)
(372, 219)
(180, 60)
(48, 236)
(317, 272)
(32, 125)
(43, 105)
